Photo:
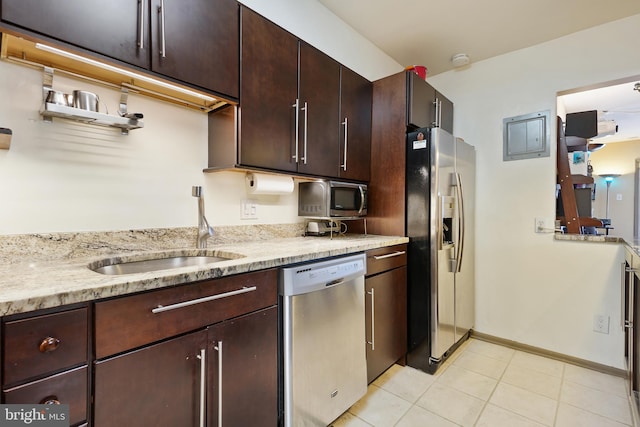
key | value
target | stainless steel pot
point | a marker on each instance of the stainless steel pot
(60, 98)
(85, 100)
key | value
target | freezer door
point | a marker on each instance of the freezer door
(465, 242)
(442, 210)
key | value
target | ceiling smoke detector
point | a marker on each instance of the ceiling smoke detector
(460, 60)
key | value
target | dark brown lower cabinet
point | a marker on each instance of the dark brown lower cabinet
(158, 385)
(385, 308)
(161, 384)
(243, 371)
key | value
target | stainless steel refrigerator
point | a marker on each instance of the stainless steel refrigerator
(440, 204)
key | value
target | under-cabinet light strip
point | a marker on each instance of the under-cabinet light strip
(121, 71)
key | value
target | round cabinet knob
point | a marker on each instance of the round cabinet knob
(50, 400)
(49, 344)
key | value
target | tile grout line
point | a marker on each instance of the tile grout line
(562, 379)
(484, 407)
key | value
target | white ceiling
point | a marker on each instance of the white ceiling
(430, 32)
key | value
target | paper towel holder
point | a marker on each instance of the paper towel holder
(268, 184)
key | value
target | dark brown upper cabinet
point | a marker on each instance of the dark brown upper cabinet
(197, 41)
(289, 119)
(355, 126)
(426, 106)
(318, 113)
(268, 92)
(193, 41)
(115, 28)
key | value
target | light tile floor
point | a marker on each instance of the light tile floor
(487, 385)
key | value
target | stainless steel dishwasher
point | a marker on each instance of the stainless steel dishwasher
(323, 337)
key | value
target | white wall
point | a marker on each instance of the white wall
(66, 176)
(531, 288)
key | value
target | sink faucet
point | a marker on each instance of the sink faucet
(204, 229)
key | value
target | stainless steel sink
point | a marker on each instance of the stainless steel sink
(116, 266)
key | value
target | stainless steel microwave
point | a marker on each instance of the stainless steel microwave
(328, 198)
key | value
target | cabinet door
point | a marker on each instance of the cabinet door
(355, 132)
(196, 41)
(115, 28)
(445, 112)
(319, 113)
(243, 371)
(421, 107)
(386, 320)
(268, 92)
(158, 385)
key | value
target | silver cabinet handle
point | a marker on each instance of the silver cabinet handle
(623, 303)
(439, 113)
(627, 273)
(219, 349)
(163, 44)
(161, 308)
(372, 343)
(306, 114)
(435, 118)
(346, 127)
(141, 24)
(297, 126)
(628, 323)
(203, 386)
(396, 253)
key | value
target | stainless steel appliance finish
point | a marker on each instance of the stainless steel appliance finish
(145, 266)
(85, 100)
(440, 226)
(323, 327)
(332, 199)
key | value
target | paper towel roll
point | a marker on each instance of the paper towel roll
(258, 183)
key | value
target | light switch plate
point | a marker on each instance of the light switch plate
(248, 209)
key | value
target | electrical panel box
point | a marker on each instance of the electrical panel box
(526, 136)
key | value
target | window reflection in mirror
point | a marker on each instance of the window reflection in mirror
(605, 167)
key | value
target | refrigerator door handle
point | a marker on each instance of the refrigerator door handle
(461, 222)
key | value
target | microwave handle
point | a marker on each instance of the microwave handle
(361, 199)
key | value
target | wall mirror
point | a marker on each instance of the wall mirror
(605, 167)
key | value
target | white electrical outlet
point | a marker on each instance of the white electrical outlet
(601, 323)
(544, 225)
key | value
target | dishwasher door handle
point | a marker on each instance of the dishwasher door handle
(372, 343)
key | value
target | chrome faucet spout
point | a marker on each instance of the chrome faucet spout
(204, 229)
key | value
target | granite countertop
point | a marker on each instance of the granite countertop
(33, 283)
(632, 243)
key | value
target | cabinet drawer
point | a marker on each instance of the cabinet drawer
(69, 388)
(128, 322)
(43, 344)
(383, 259)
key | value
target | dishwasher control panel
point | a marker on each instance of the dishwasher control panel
(318, 275)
